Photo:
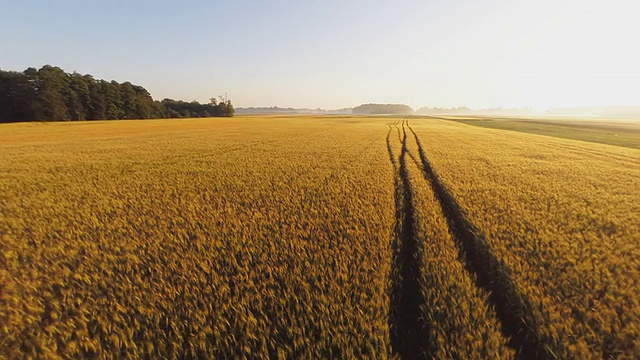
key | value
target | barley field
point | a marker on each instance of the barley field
(315, 237)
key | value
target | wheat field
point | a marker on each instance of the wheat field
(315, 237)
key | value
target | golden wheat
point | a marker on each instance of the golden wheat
(461, 322)
(278, 237)
(561, 216)
(206, 238)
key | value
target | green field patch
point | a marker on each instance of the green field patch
(612, 132)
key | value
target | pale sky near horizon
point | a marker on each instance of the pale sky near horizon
(335, 54)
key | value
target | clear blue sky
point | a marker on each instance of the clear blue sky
(335, 54)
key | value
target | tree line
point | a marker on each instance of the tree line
(383, 109)
(50, 94)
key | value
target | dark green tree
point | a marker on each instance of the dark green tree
(52, 88)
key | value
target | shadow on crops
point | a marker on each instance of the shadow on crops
(491, 274)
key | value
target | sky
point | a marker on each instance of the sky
(334, 54)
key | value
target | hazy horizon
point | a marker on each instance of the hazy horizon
(331, 55)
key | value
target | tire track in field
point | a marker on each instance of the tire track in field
(392, 158)
(398, 129)
(512, 309)
(409, 338)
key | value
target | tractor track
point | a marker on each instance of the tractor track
(409, 335)
(491, 274)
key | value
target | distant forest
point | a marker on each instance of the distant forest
(50, 94)
(395, 109)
